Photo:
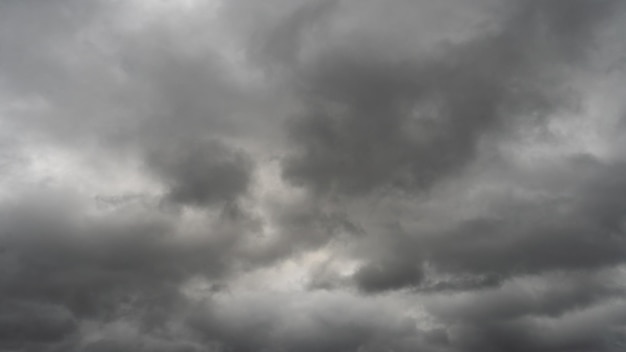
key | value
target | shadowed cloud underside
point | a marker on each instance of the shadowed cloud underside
(312, 175)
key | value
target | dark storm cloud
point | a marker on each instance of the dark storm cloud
(23, 321)
(551, 295)
(581, 231)
(129, 263)
(568, 242)
(375, 277)
(593, 330)
(375, 124)
(394, 217)
(409, 122)
(203, 173)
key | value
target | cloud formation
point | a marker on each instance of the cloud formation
(312, 175)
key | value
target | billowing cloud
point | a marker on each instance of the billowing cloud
(378, 122)
(203, 174)
(312, 175)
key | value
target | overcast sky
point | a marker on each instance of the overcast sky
(312, 176)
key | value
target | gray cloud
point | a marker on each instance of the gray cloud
(337, 324)
(388, 275)
(440, 176)
(34, 323)
(374, 122)
(203, 173)
(576, 233)
(130, 263)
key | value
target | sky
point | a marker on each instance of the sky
(312, 176)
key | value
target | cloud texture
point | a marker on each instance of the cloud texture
(312, 175)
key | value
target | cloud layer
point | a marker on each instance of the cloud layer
(332, 175)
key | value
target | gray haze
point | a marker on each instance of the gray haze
(312, 176)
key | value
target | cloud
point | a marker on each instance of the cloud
(374, 123)
(386, 276)
(330, 322)
(26, 322)
(319, 175)
(203, 174)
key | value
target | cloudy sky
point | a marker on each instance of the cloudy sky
(312, 176)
